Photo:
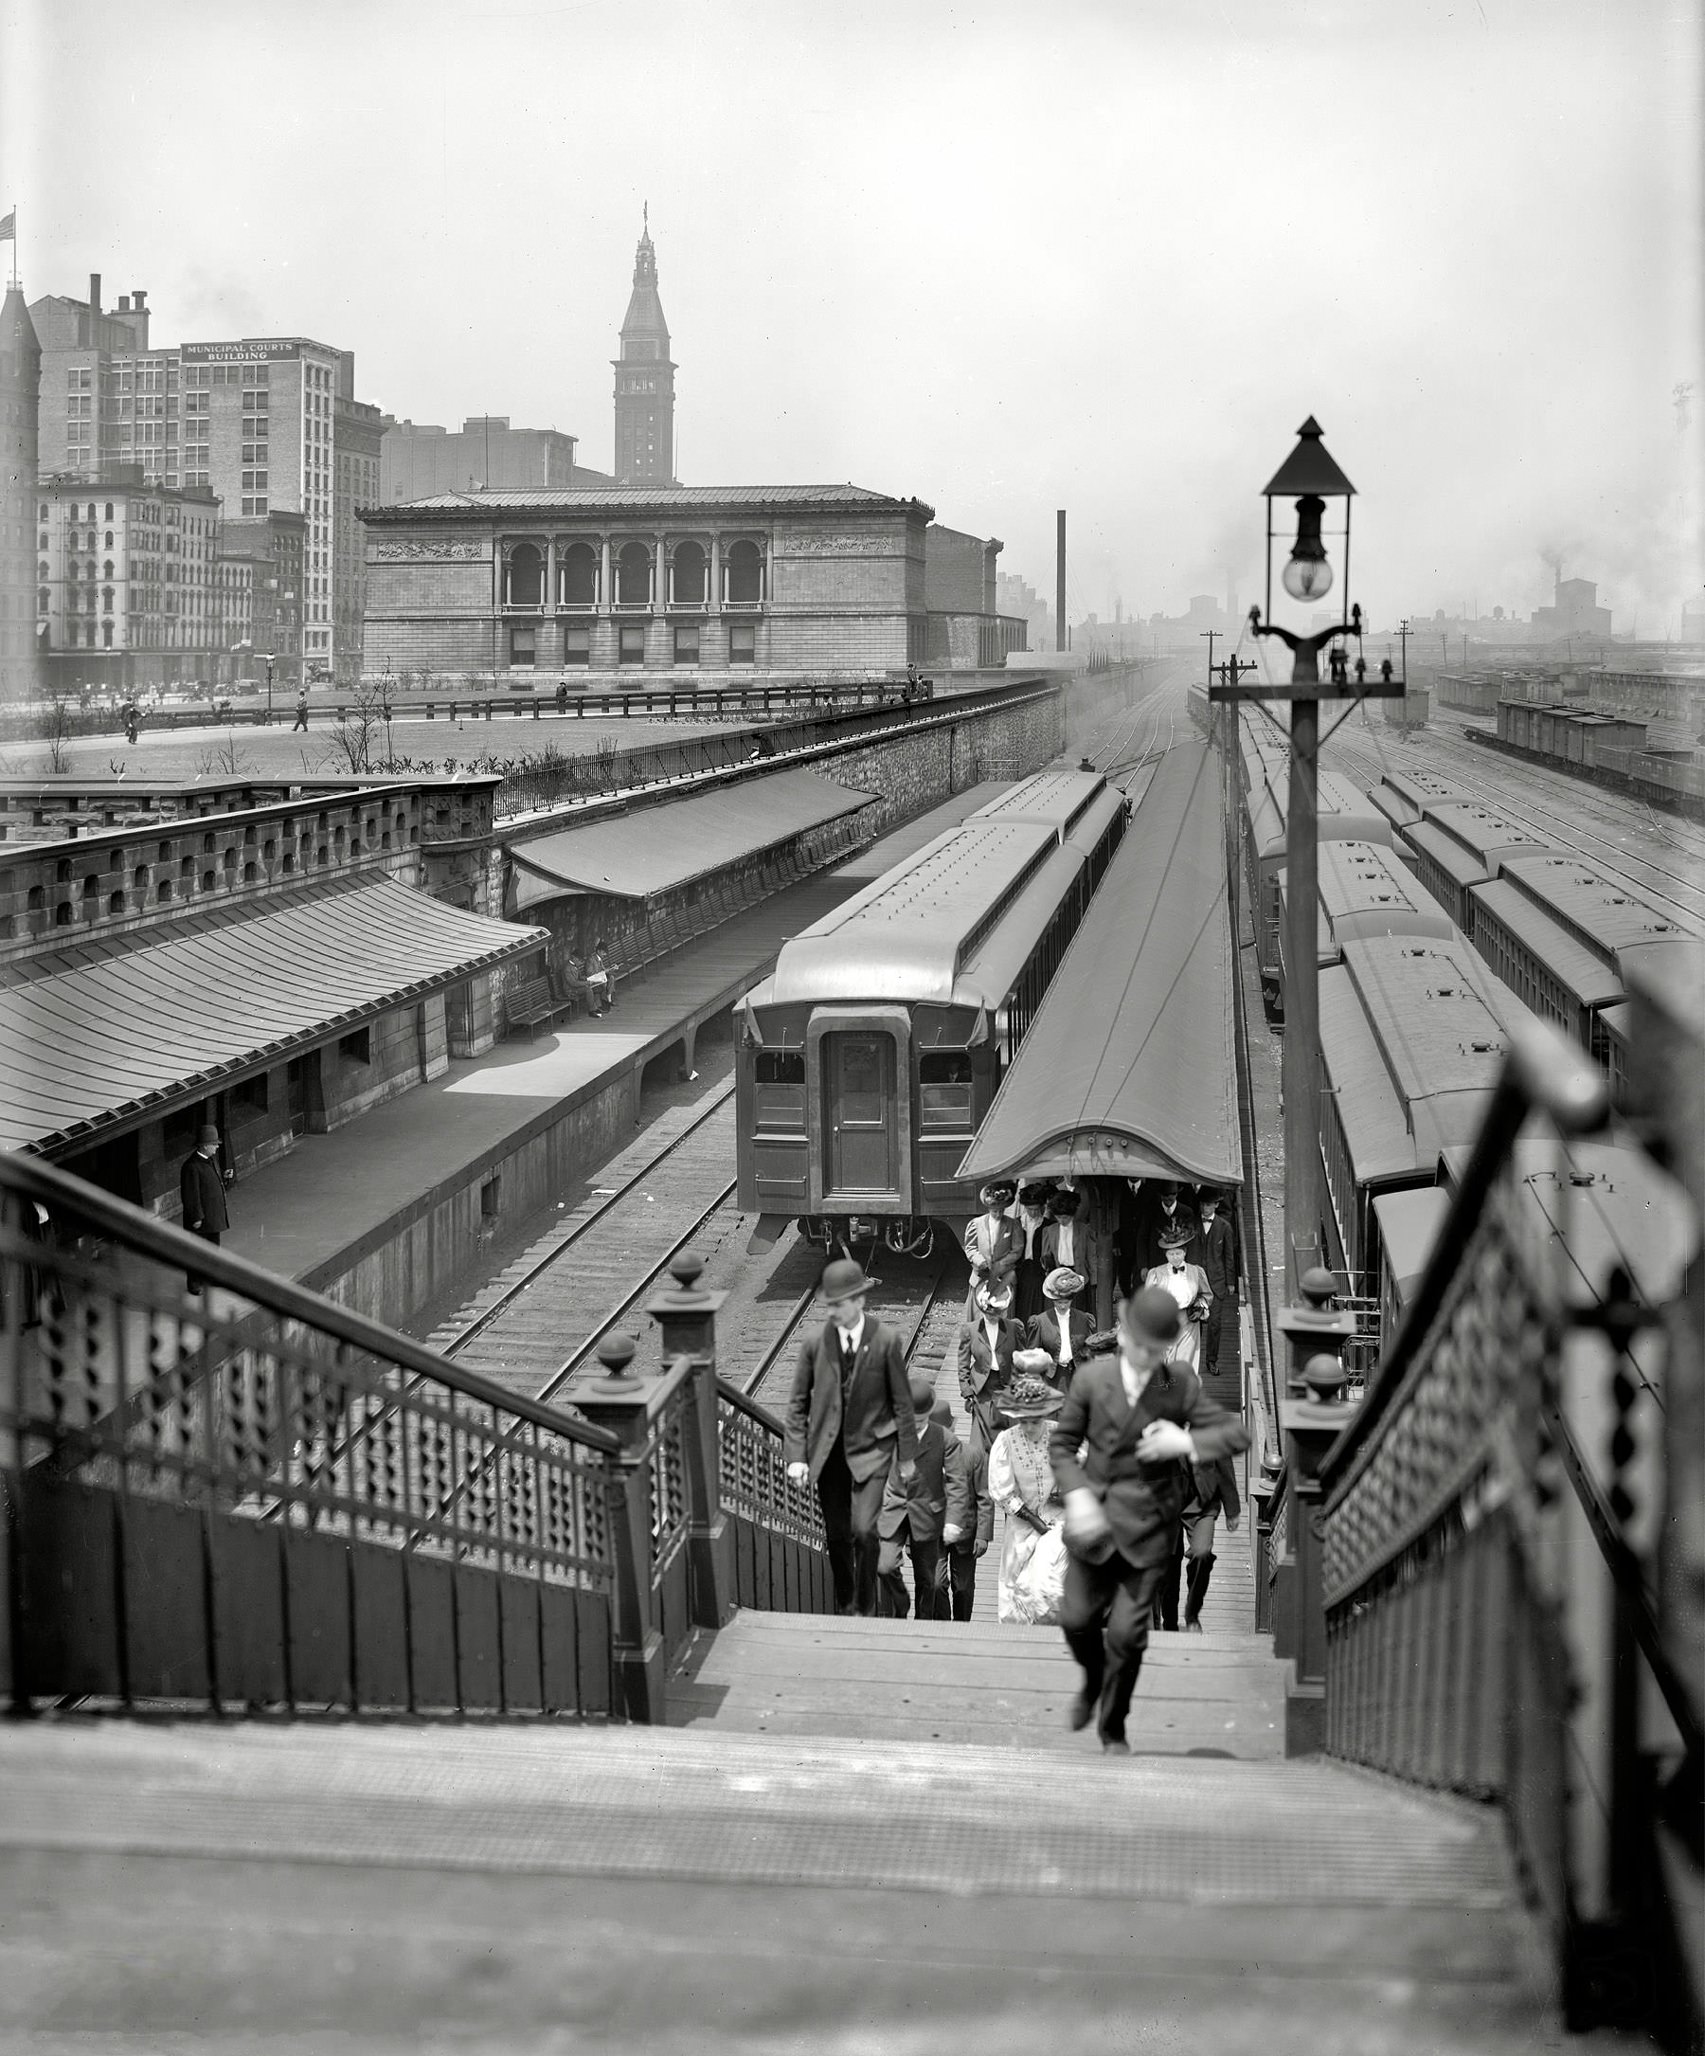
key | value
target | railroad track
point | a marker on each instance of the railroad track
(1540, 814)
(924, 1301)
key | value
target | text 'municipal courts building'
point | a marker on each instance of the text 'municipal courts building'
(792, 579)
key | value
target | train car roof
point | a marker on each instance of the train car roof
(1602, 912)
(1670, 971)
(1616, 1206)
(1129, 1068)
(1413, 1034)
(1421, 788)
(1395, 808)
(1342, 815)
(1364, 890)
(1480, 830)
(1588, 977)
(1408, 1225)
(1056, 795)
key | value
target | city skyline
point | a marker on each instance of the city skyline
(1095, 263)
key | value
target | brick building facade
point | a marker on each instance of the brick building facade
(617, 582)
(418, 459)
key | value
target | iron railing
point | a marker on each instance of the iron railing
(1494, 1612)
(225, 1492)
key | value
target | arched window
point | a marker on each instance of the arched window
(109, 534)
(106, 568)
(633, 576)
(109, 514)
(687, 575)
(524, 577)
(106, 635)
(743, 575)
(577, 576)
(106, 600)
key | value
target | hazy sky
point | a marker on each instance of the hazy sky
(1009, 257)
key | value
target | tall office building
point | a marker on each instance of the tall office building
(262, 422)
(20, 373)
(645, 382)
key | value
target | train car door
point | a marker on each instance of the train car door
(860, 1158)
(859, 1062)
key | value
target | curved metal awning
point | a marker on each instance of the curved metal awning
(1129, 1068)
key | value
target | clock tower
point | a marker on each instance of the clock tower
(645, 380)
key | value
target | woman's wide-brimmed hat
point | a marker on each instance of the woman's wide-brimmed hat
(1064, 1199)
(997, 1192)
(1175, 1238)
(1062, 1282)
(1029, 1399)
(843, 1279)
(992, 1290)
(1034, 1192)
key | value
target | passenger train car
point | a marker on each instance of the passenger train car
(1365, 890)
(865, 1062)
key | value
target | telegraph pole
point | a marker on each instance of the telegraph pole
(1060, 579)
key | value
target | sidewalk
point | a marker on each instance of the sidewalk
(312, 1212)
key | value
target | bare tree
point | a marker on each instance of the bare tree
(358, 721)
(58, 732)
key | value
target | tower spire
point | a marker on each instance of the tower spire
(645, 378)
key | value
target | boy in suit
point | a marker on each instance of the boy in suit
(960, 1559)
(1139, 1420)
(849, 1423)
(927, 1517)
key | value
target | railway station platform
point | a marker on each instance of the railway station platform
(364, 1211)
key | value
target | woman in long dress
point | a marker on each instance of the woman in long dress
(1029, 1222)
(1188, 1285)
(1032, 1577)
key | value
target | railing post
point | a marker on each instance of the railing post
(687, 1320)
(620, 1401)
(1312, 1414)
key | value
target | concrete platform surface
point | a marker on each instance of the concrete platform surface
(518, 1889)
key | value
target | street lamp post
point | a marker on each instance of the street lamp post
(266, 657)
(1310, 478)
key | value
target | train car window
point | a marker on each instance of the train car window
(778, 1090)
(860, 1080)
(779, 1067)
(944, 1089)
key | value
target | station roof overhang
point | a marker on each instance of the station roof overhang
(102, 1035)
(654, 849)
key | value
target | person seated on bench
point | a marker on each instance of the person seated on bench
(600, 986)
(571, 981)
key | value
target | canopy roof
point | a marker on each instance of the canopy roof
(94, 1034)
(1128, 1068)
(651, 849)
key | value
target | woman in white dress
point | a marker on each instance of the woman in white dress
(1188, 1285)
(1032, 1578)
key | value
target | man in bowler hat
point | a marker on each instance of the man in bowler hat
(849, 1423)
(201, 1187)
(926, 1520)
(1140, 1421)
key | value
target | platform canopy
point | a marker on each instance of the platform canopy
(104, 1030)
(1129, 1068)
(655, 848)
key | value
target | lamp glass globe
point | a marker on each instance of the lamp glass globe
(1307, 578)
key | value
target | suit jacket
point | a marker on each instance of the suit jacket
(1086, 1248)
(1044, 1333)
(1216, 1252)
(980, 1520)
(940, 1494)
(982, 1371)
(1214, 1489)
(871, 1418)
(1141, 1236)
(1143, 1502)
(201, 1187)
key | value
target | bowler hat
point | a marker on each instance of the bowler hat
(1150, 1315)
(923, 1394)
(1029, 1398)
(843, 1279)
(208, 1138)
(1062, 1282)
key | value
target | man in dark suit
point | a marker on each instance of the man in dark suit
(962, 1557)
(1143, 1421)
(201, 1188)
(1060, 1329)
(927, 1518)
(1217, 1253)
(1157, 1210)
(849, 1423)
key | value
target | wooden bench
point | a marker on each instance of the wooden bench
(527, 1004)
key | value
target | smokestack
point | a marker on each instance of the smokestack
(139, 299)
(1060, 580)
(94, 293)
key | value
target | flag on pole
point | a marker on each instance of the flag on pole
(9, 227)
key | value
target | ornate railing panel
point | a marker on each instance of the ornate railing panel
(780, 1561)
(1488, 1586)
(244, 1495)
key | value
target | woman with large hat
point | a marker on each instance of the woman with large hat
(1060, 1329)
(987, 1342)
(992, 1240)
(1030, 1222)
(1032, 1576)
(1187, 1286)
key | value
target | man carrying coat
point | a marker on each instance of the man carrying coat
(1140, 1421)
(849, 1423)
(926, 1519)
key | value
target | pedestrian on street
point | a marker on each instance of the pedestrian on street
(1138, 1419)
(301, 721)
(962, 1557)
(201, 1188)
(849, 1424)
(926, 1519)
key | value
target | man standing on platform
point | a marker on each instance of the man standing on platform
(926, 1520)
(1140, 1421)
(201, 1187)
(849, 1423)
(1216, 1252)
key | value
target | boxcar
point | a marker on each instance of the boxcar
(865, 1062)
